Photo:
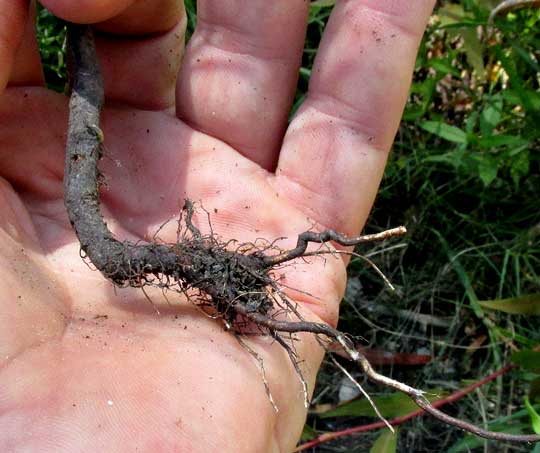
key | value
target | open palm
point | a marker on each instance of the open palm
(87, 367)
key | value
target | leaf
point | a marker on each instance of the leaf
(495, 141)
(510, 425)
(455, 158)
(385, 443)
(447, 158)
(413, 112)
(443, 130)
(451, 14)
(443, 66)
(308, 433)
(514, 337)
(517, 82)
(470, 442)
(390, 406)
(535, 418)
(527, 358)
(426, 90)
(520, 166)
(474, 50)
(522, 305)
(525, 56)
(487, 170)
(491, 114)
(322, 3)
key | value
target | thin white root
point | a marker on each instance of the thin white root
(366, 394)
(262, 370)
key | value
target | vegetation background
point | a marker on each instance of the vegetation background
(464, 178)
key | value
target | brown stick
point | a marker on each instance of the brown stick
(327, 437)
(330, 235)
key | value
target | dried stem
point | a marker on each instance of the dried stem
(327, 437)
(330, 235)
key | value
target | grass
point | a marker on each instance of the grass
(464, 176)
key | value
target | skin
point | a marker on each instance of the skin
(87, 367)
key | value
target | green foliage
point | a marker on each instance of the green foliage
(466, 161)
(528, 359)
(191, 11)
(513, 424)
(390, 405)
(308, 433)
(523, 305)
(495, 104)
(535, 418)
(51, 35)
(385, 443)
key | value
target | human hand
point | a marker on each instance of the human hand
(86, 366)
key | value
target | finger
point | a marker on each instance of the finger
(144, 17)
(12, 25)
(139, 44)
(86, 11)
(141, 69)
(27, 63)
(356, 96)
(142, 72)
(239, 74)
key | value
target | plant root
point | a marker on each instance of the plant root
(238, 286)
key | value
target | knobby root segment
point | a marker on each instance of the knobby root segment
(237, 286)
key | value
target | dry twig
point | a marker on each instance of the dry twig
(457, 395)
